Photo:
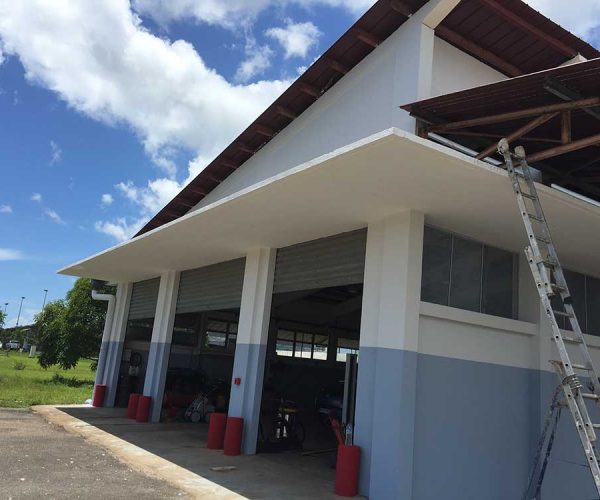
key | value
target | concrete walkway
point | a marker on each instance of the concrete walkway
(40, 460)
(176, 452)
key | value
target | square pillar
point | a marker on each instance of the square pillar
(387, 368)
(251, 346)
(160, 345)
(114, 346)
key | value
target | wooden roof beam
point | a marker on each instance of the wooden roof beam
(337, 66)
(307, 89)
(528, 127)
(366, 37)
(244, 148)
(478, 51)
(564, 149)
(529, 28)
(516, 115)
(401, 7)
(288, 113)
(263, 130)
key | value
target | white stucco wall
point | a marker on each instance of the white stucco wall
(455, 70)
(410, 65)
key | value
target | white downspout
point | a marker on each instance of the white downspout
(110, 311)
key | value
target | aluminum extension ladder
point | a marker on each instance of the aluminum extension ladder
(551, 284)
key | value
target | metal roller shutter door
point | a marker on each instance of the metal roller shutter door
(144, 296)
(212, 287)
(334, 261)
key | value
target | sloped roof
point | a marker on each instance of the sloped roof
(505, 34)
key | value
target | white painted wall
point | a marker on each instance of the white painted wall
(455, 70)
(365, 101)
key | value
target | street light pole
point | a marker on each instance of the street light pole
(45, 295)
(5, 307)
(19, 315)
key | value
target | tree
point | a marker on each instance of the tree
(2, 318)
(71, 329)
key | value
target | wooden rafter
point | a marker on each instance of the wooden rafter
(288, 113)
(516, 20)
(521, 131)
(401, 7)
(478, 51)
(337, 66)
(564, 148)
(515, 115)
(565, 127)
(307, 89)
(526, 138)
(366, 37)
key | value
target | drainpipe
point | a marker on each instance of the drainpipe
(107, 297)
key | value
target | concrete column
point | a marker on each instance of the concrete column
(114, 346)
(387, 370)
(251, 346)
(160, 346)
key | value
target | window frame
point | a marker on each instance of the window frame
(451, 256)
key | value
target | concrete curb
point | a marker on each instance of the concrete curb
(137, 458)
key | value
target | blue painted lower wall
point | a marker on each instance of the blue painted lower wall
(156, 374)
(432, 427)
(114, 352)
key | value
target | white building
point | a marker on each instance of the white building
(335, 225)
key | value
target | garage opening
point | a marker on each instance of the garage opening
(136, 347)
(314, 333)
(203, 343)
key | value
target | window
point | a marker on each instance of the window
(345, 346)
(585, 291)
(220, 335)
(463, 273)
(303, 345)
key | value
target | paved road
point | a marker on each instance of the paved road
(39, 460)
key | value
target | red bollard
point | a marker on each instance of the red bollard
(99, 393)
(143, 409)
(216, 431)
(346, 470)
(132, 406)
(233, 436)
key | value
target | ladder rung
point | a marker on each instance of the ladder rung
(573, 340)
(596, 426)
(547, 241)
(528, 196)
(557, 288)
(582, 367)
(574, 365)
(589, 395)
(563, 314)
(535, 217)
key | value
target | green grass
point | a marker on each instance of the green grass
(23, 382)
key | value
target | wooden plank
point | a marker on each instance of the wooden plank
(305, 88)
(515, 115)
(244, 147)
(565, 127)
(286, 112)
(337, 66)
(528, 127)
(401, 7)
(478, 51)
(263, 130)
(366, 37)
(529, 138)
(529, 28)
(565, 148)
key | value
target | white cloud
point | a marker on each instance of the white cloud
(258, 59)
(6, 209)
(231, 13)
(100, 60)
(10, 254)
(56, 153)
(296, 38)
(106, 199)
(121, 229)
(54, 217)
(579, 19)
(37, 197)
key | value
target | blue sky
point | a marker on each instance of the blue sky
(108, 107)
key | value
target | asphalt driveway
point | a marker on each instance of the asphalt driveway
(40, 460)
